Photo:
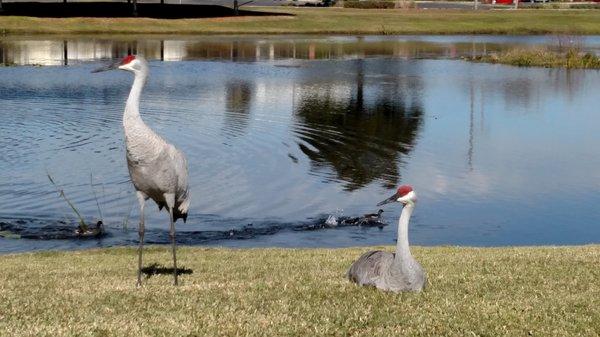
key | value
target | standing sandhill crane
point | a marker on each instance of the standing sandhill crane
(158, 170)
(389, 271)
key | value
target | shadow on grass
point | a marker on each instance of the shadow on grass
(158, 269)
(121, 10)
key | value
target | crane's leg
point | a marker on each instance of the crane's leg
(170, 200)
(141, 229)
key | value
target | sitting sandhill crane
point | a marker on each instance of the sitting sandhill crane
(392, 271)
(157, 169)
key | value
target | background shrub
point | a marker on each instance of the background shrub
(368, 4)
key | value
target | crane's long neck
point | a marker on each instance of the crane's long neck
(132, 107)
(141, 142)
(402, 247)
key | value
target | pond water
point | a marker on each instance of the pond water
(282, 131)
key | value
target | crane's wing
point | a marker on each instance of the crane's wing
(369, 267)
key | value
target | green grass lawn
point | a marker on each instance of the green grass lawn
(538, 291)
(328, 20)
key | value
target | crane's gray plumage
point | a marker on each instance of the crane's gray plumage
(157, 169)
(397, 271)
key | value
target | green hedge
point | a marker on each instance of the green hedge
(368, 4)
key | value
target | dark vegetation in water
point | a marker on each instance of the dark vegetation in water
(43, 229)
(82, 225)
(121, 9)
(38, 229)
(573, 59)
(83, 229)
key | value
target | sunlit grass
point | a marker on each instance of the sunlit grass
(327, 20)
(539, 291)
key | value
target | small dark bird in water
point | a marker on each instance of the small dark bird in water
(372, 216)
(370, 219)
(98, 230)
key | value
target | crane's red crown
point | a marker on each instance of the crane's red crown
(404, 190)
(127, 59)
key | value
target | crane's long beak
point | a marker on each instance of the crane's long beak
(393, 198)
(111, 66)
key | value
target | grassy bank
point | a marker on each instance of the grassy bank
(543, 58)
(539, 291)
(327, 20)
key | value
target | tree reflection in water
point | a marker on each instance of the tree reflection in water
(360, 134)
(238, 99)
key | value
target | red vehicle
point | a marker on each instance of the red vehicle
(511, 2)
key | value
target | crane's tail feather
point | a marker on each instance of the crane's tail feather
(179, 215)
(181, 212)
